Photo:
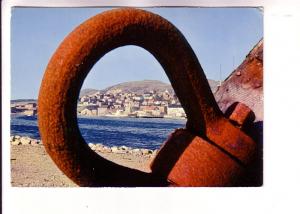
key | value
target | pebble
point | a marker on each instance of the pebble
(125, 148)
(34, 142)
(106, 149)
(18, 140)
(25, 141)
(114, 149)
(117, 150)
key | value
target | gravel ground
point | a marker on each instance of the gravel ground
(31, 166)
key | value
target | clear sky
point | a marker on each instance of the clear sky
(218, 36)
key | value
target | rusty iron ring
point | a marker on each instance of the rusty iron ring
(71, 63)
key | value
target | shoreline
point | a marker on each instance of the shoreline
(31, 166)
(17, 140)
(112, 116)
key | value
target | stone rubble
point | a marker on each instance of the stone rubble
(18, 140)
(25, 140)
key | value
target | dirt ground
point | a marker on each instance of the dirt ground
(31, 166)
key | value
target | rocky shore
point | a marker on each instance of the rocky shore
(31, 166)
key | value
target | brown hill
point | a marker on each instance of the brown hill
(140, 87)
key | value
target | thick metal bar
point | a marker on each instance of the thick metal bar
(71, 63)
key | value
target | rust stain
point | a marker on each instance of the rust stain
(245, 84)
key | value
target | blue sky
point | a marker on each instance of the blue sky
(218, 36)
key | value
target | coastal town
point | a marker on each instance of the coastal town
(24, 107)
(125, 104)
(146, 99)
(150, 104)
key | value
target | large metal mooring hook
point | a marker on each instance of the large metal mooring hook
(207, 132)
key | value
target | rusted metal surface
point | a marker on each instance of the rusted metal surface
(245, 84)
(214, 138)
(186, 159)
(189, 160)
(240, 115)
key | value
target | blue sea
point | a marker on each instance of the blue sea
(147, 133)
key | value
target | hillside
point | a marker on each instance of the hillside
(87, 91)
(140, 87)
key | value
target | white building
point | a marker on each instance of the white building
(175, 111)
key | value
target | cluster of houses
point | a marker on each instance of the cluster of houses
(123, 104)
(24, 108)
(118, 104)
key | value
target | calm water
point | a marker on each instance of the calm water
(147, 133)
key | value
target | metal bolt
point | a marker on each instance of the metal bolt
(241, 115)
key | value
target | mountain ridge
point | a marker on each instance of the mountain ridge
(139, 87)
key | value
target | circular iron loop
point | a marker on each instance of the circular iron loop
(71, 63)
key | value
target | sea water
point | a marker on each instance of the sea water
(147, 133)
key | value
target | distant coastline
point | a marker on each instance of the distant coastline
(128, 116)
(135, 99)
(109, 116)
